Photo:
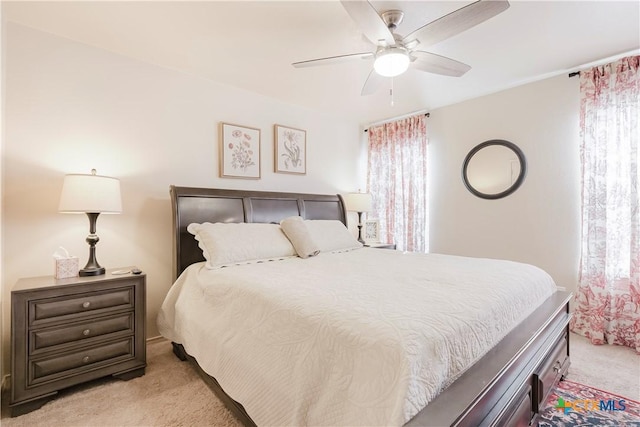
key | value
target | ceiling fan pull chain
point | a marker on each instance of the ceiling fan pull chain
(391, 92)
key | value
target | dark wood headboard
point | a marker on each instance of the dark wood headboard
(214, 205)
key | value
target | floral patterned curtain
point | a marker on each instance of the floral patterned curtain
(397, 181)
(608, 299)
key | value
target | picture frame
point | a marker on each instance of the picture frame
(290, 150)
(371, 232)
(239, 151)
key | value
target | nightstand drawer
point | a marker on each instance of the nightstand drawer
(44, 339)
(80, 360)
(52, 309)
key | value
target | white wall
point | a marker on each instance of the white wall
(71, 107)
(2, 137)
(540, 222)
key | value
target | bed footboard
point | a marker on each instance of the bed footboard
(510, 383)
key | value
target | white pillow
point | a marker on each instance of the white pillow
(298, 233)
(225, 244)
(331, 235)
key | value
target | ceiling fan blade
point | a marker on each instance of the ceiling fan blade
(432, 63)
(371, 24)
(457, 21)
(332, 59)
(373, 83)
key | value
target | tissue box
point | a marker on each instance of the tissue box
(66, 267)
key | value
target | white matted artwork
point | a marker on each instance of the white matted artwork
(239, 151)
(371, 231)
(290, 150)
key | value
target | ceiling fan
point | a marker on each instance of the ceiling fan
(395, 53)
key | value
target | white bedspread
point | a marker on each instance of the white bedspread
(366, 337)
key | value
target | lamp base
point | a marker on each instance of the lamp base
(92, 271)
(92, 268)
(360, 239)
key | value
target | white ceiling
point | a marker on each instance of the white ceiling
(251, 45)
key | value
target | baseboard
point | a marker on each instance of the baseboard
(156, 338)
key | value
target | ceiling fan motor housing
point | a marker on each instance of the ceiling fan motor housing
(392, 18)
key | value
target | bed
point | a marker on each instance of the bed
(496, 372)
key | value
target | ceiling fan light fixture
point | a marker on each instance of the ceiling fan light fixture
(391, 62)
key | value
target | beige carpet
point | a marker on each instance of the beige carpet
(172, 394)
(610, 368)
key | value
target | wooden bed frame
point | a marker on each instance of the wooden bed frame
(506, 387)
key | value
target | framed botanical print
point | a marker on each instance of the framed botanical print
(290, 150)
(372, 231)
(239, 151)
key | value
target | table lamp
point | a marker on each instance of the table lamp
(358, 202)
(91, 194)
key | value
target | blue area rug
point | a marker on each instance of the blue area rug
(572, 404)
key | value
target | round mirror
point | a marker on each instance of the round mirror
(494, 169)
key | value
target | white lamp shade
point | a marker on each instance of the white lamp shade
(391, 63)
(90, 193)
(358, 202)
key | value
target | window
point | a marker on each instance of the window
(397, 180)
(608, 298)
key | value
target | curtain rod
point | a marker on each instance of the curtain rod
(604, 61)
(394, 119)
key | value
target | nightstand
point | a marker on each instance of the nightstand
(380, 245)
(69, 331)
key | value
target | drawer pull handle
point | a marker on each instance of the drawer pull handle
(86, 304)
(86, 332)
(85, 359)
